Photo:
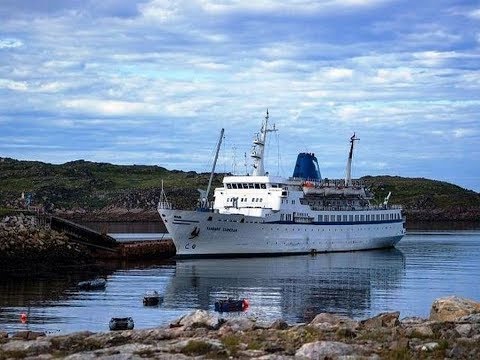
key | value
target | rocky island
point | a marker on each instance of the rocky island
(84, 190)
(451, 332)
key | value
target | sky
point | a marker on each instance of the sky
(153, 82)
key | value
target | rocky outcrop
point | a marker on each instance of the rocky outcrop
(204, 335)
(453, 308)
(27, 243)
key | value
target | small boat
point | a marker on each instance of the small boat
(96, 284)
(121, 323)
(151, 298)
(229, 305)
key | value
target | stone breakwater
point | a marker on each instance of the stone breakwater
(452, 331)
(26, 244)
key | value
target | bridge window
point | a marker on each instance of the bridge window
(320, 217)
(344, 218)
(356, 217)
(339, 218)
(350, 218)
(368, 217)
(362, 217)
(332, 217)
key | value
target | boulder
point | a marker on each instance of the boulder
(452, 308)
(279, 324)
(327, 321)
(198, 318)
(389, 320)
(328, 350)
(238, 324)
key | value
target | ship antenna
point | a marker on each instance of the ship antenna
(348, 176)
(258, 148)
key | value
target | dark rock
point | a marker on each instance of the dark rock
(28, 335)
(389, 319)
(279, 324)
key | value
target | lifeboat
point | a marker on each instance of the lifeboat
(230, 305)
(96, 284)
(121, 323)
(151, 298)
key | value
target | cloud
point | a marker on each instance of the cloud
(10, 43)
(175, 72)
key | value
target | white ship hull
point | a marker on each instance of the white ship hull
(197, 233)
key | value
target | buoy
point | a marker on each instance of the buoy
(23, 318)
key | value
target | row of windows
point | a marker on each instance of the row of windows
(250, 186)
(368, 217)
(245, 199)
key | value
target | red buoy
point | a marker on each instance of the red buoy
(23, 318)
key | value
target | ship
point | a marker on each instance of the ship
(262, 214)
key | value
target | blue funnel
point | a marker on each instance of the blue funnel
(307, 167)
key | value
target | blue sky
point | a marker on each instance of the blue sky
(154, 81)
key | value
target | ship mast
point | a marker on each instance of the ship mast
(214, 162)
(348, 175)
(258, 149)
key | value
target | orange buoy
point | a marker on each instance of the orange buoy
(23, 318)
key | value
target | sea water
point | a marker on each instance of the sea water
(425, 265)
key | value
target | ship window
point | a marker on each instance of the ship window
(253, 200)
(257, 186)
(229, 186)
(209, 218)
(332, 217)
(326, 218)
(234, 186)
(293, 201)
(368, 217)
(339, 217)
(245, 186)
(350, 217)
(344, 217)
(263, 186)
(362, 217)
(261, 199)
(378, 217)
(356, 217)
(250, 186)
(320, 217)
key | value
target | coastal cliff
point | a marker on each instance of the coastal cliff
(452, 331)
(104, 192)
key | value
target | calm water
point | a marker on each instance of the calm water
(424, 266)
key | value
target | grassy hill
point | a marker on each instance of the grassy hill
(100, 188)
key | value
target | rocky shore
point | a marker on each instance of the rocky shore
(28, 244)
(451, 332)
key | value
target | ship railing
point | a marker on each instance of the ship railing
(165, 205)
(356, 208)
(330, 183)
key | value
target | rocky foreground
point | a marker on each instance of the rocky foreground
(451, 332)
(25, 244)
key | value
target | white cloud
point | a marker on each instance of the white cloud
(462, 132)
(474, 14)
(109, 107)
(10, 43)
(13, 85)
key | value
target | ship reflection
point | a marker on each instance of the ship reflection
(294, 288)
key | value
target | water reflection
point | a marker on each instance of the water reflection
(295, 288)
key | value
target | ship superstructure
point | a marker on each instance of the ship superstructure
(265, 214)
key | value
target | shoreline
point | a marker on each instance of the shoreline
(452, 330)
